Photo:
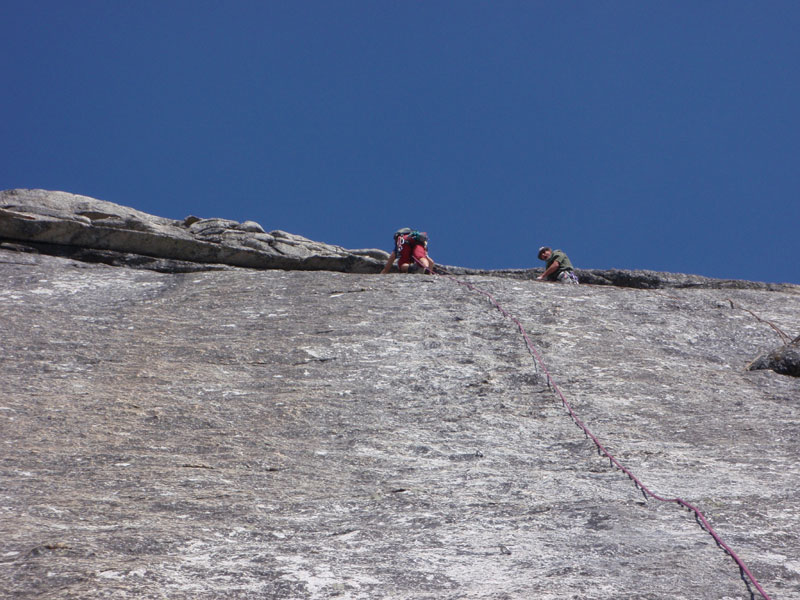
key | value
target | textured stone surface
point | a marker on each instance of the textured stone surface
(93, 230)
(90, 230)
(641, 279)
(784, 359)
(293, 434)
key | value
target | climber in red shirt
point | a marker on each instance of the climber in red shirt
(411, 252)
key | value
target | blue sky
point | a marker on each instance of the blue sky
(631, 134)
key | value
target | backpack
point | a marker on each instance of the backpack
(418, 237)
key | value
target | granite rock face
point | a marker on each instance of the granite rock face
(250, 433)
(784, 359)
(98, 231)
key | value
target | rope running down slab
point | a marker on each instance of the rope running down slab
(600, 447)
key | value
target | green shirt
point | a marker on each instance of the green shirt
(563, 263)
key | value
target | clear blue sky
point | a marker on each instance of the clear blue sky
(631, 134)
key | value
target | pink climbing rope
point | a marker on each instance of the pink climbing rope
(614, 462)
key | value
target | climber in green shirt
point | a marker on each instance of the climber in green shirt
(557, 266)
